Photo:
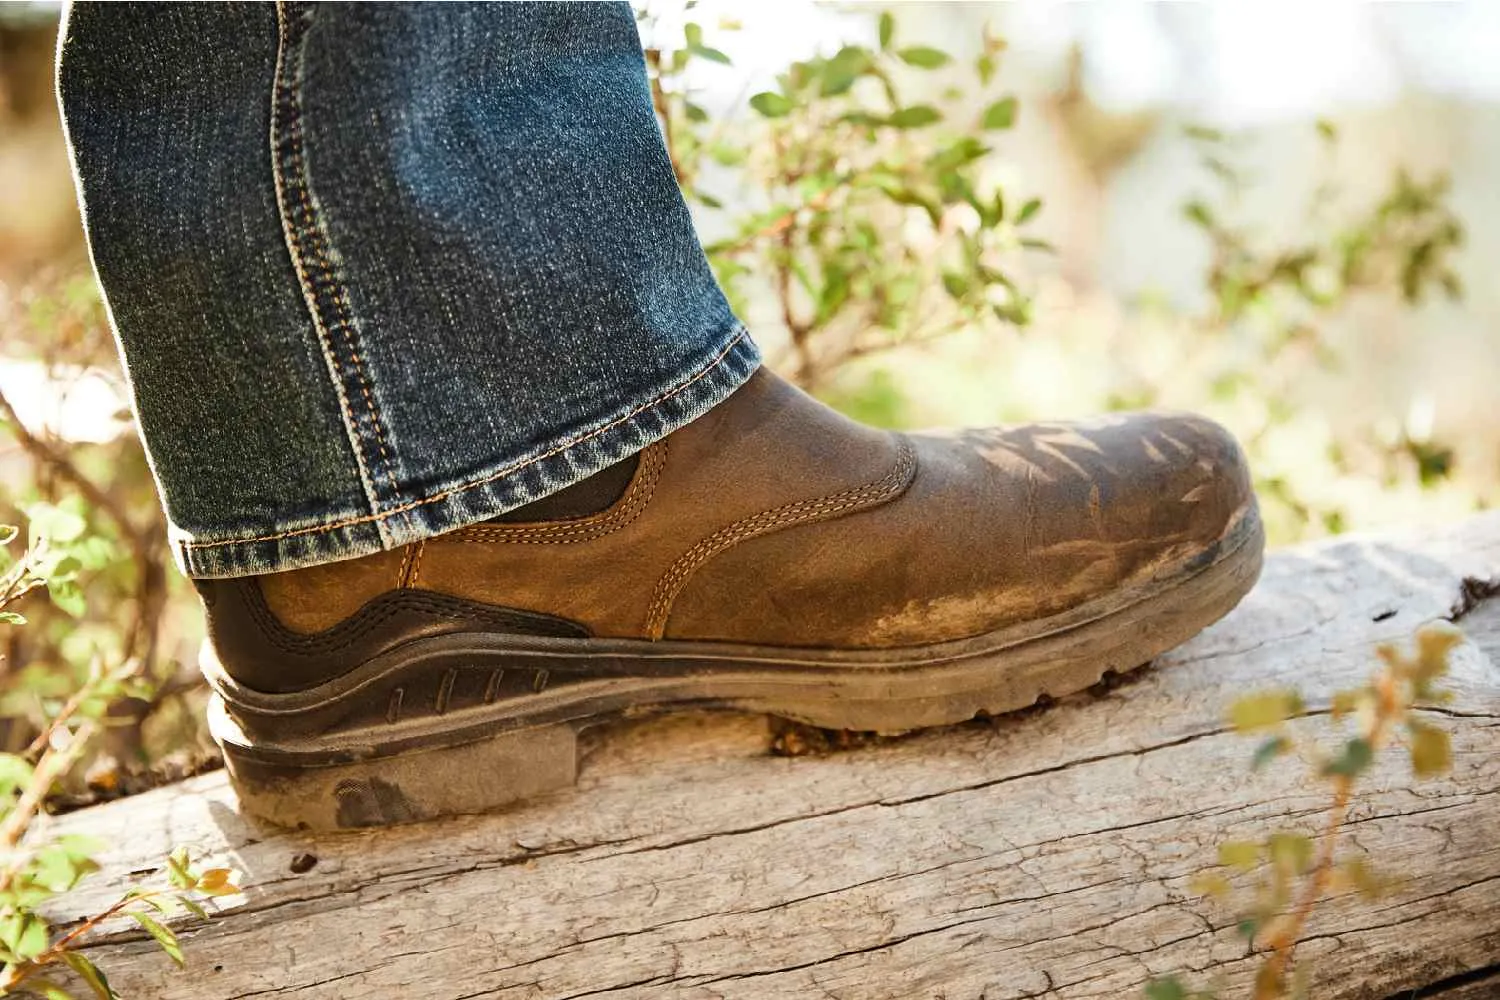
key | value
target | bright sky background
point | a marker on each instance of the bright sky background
(1235, 63)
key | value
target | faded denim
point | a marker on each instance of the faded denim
(380, 271)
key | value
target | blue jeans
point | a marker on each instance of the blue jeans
(380, 271)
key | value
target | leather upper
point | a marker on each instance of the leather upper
(774, 520)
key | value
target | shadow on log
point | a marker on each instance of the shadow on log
(1046, 854)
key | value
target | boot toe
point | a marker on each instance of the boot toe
(1054, 516)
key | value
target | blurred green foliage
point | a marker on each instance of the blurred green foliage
(870, 222)
(865, 211)
(36, 866)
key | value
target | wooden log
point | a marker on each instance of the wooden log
(1046, 854)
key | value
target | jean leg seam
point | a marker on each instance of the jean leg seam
(309, 245)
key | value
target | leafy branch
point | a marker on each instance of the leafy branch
(877, 222)
(1295, 871)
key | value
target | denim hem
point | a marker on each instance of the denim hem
(504, 487)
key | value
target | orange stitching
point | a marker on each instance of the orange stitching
(637, 496)
(283, 37)
(416, 563)
(868, 495)
(347, 326)
(564, 446)
(405, 565)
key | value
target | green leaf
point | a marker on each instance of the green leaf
(15, 772)
(164, 937)
(1359, 875)
(8, 533)
(1241, 855)
(726, 155)
(1209, 884)
(1347, 702)
(1166, 988)
(1292, 851)
(924, 57)
(1028, 210)
(1431, 749)
(711, 54)
(1355, 758)
(887, 28)
(915, 116)
(770, 104)
(840, 73)
(1001, 114)
(55, 524)
(1434, 642)
(693, 33)
(58, 869)
(984, 66)
(90, 974)
(23, 933)
(178, 872)
(80, 846)
(957, 154)
(1264, 710)
(1199, 214)
(67, 597)
(956, 284)
(194, 907)
(1268, 751)
(12, 618)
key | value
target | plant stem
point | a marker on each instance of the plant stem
(1284, 942)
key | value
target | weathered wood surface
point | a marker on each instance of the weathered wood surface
(1042, 855)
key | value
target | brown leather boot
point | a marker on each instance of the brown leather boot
(772, 556)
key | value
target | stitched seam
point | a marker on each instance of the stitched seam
(309, 243)
(508, 470)
(405, 566)
(642, 489)
(872, 494)
(416, 563)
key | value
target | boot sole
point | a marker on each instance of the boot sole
(420, 733)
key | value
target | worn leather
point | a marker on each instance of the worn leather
(774, 520)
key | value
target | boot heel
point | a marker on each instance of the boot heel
(404, 788)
